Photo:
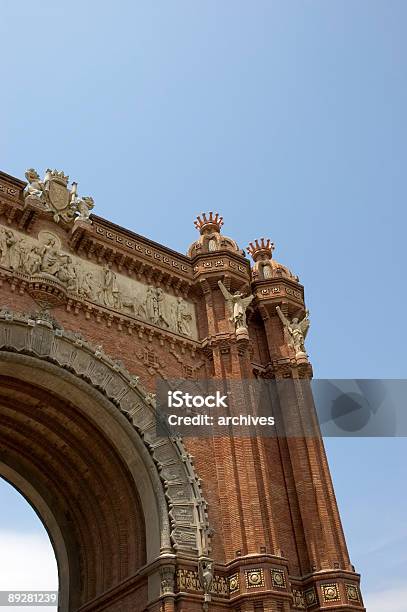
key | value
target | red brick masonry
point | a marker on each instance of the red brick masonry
(276, 540)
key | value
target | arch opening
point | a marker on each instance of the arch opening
(27, 557)
(77, 479)
(78, 438)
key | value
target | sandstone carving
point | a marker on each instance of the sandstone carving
(296, 331)
(51, 259)
(237, 305)
(33, 261)
(206, 575)
(87, 286)
(167, 574)
(181, 319)
(83, 207)
(35, 187)
(43, 259)
(109, 293)
(54, 196)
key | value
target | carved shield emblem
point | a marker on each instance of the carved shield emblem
(58, 195)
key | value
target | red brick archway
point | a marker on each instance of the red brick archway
(105, 308)
(73, 450)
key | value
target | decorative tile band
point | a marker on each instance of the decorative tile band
(330, 592)
(254, 578)
(278, 579)
(310, 597)
(234, 583)
(352, 592)
(188, 580)
(298, 599)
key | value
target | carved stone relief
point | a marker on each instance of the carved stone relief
(54, 196)
(189, 580)
(43, 259)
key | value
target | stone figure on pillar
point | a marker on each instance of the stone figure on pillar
(237, 305)
(206, 576)
(297, 331)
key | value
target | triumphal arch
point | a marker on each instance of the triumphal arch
(91, 316)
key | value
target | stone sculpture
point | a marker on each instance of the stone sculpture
(109, 293)
(206, 575)
(183, 318)
(54, 196)
(153, 307)
(45, 259)
(296, 330)
(35, 188)
(83, 207)
(237, 305)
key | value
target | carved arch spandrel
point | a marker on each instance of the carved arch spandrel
(183, 511)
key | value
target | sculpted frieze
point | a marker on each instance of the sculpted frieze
(43, 259)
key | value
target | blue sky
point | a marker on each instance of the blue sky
(288, 117)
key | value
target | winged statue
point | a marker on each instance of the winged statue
(237, 305)
(297, 330)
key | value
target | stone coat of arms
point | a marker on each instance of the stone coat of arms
(54, 195)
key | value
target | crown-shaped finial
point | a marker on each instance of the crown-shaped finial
(262, 247)
(57, 176)
(211, 221)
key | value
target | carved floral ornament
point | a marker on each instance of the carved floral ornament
(54, 196)
(42, 262)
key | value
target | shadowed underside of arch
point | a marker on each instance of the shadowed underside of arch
(81, 479)
(77, 438)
